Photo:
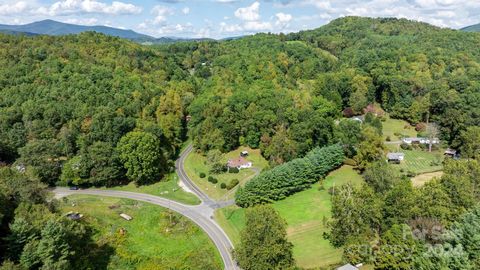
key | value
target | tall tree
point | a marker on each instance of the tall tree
(433, 132)
(142, 156)
(380, 176)
(370, 149)
(470, 142)
(397, 249)
(263, 244)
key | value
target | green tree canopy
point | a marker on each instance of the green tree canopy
(142, 156)
(263, 244)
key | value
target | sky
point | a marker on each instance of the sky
(230, 18)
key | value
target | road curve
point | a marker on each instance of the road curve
(200, 214)
(179, 167)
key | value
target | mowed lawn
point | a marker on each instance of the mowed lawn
(305, 213)
(167, 188)
(195, 163)
(392, 126)
(156, 238)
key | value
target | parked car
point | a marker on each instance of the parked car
(74, 188)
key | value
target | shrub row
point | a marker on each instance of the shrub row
(291, 177)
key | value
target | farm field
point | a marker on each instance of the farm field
(305, 214)
(155, 238)
(196, 163)
(420, 161)
(167, 188)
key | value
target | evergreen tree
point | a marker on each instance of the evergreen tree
(263, 244)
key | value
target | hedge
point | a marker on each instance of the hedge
(290, 177)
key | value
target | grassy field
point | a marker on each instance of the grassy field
(421, 179)
(167, 188)
(392, 126)
(420, 161)
(195, 164)
(156, 238)
(305, 214)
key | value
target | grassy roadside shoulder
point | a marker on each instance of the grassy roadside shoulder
(156, 238)
(167, 188)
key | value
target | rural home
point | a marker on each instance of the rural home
(239, 163)
(420, 140)
(395, 157)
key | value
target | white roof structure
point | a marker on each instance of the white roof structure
(395, 156)
(347, 267)
(126, 217)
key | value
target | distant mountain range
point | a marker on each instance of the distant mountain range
(54, 28)
(472, 28)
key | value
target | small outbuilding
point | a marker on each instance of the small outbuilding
(239, 163)
(450, 153)
(358, 118)
(347, 267)
(244, 153)
(126, 217)
(74, 215)
(395, 157)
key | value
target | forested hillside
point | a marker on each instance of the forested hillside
(67, 101)
(94, 110)
(280, 93)
(472, 28)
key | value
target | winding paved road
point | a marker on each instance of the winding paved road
(201, 214)
(179, 167)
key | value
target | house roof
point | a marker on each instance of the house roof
(359, 118)
(451, 151)
(347, 267)
(395, 155)
(237, 162)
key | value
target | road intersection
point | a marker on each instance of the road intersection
(201, 214)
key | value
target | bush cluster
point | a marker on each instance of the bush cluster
(212, 180)
(290, 177)
(233, 170)
(202, 175)
(232, 184)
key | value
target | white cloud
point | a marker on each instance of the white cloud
(250, 13)
(185, 10)
(444, 13)
(160, 13)
(283, 19)
(68, 7)
(16, 8)
(230, 28)
(254, 26)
